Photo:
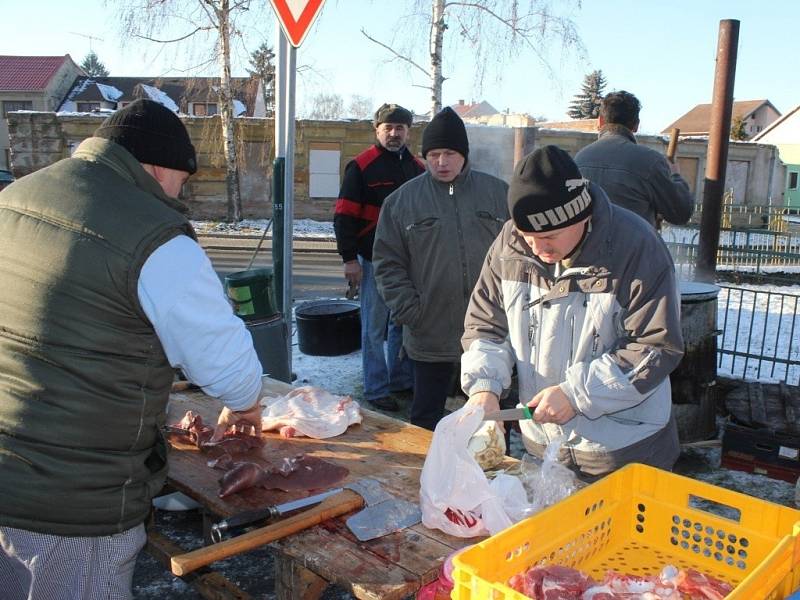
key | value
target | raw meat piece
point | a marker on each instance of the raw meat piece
(299, 473)
(551, 582)
(236, 439)
(311, 474)
(287, 431)
(701, 586)
(242, 476)
(311, 412)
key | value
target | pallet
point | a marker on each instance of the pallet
(761, 451)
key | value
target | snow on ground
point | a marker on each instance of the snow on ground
(303, 228)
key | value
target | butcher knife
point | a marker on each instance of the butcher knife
(268, 512)
(509, 414)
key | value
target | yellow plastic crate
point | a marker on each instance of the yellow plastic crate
(636, 521)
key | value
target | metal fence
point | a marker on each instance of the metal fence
(770, 254)
(745, 215)
(759, 324)
(759, 330)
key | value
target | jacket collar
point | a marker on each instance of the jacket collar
(610, 129)
(460, 178)
(122, 162)
(404, 153)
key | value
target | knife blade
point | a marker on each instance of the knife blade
(509, 414)
(268, 512)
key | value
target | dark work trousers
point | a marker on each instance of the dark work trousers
(432, 382)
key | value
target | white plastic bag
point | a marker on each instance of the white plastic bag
(310, 411)
(455, 495)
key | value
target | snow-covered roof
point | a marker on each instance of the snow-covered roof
(158, 96)
(238, 108)
(109, 92)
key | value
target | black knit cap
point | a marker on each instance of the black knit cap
(547, 191)
(153, 134)
(393, 113)
(446, 130)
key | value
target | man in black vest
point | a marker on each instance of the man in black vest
(368, 179)
(103, 292)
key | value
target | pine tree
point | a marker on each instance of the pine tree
(586, 105)
(93, 67)
(738, 129)
(261, 66)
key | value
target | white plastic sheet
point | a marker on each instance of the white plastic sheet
(311, 412)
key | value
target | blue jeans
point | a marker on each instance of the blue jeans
(382, 374)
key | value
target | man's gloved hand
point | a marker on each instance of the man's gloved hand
(248, 421)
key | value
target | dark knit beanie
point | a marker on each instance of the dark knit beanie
(153, 134)
(547, 191)
(393, 113)
(446, 130)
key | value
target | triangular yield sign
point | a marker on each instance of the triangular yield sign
(296, 17)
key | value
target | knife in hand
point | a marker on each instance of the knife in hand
(509, 414)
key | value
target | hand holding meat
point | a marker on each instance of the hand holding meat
(241, 420)
(552, 406)
(489, 402)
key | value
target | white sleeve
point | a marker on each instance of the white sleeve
(183, 298)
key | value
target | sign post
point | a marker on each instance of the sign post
(295, 18)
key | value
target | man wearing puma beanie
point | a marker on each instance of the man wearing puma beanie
(580, 295)
(433, 233)
(117, 294)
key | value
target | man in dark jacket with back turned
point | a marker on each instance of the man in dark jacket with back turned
(634, 177)
(103, 292)
(368, 180)
(432, 237)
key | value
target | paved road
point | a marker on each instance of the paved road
(317, 268)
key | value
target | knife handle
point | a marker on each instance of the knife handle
(527, 412)
(240, 519)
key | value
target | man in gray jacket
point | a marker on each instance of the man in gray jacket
(580, 295)
(634, 177)
(432, 237)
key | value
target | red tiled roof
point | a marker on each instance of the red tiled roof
(698, 120)
(27, 73)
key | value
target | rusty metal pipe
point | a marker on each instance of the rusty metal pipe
(717, 155)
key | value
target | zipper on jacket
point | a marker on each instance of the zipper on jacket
(428, 221)
(464, 276)
(571, 340)
(485, 214)
(595, 341)
(643, 364)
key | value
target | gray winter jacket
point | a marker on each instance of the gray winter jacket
(635, 177)
(430, 244)
(606, 329)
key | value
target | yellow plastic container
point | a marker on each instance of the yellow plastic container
(636, 521)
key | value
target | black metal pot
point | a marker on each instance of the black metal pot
(328, 327)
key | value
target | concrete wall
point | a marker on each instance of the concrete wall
(43, 100)
(39, 139)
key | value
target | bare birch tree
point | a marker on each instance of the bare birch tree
(492, 30)
(144, 19)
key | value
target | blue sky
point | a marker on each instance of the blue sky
(663, 52)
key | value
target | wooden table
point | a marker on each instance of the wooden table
(381, 448)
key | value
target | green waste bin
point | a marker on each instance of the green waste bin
(252, 293)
